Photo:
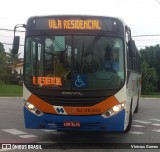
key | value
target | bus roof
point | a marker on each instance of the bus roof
(86, 16)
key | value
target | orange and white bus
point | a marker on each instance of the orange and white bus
(72, 81)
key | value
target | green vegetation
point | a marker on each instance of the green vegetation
(10, 91)
(151, 95)
(149, 79)
(150, 65)
(8, 63)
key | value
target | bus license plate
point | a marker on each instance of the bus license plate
(71, 124)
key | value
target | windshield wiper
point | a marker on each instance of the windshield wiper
(92, 44)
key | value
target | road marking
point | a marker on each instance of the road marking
(138, 126)
(19, 133)
(144, 122)
(27, 136)
(155, 119)
(156, 130)
(156, 124)
(14, 131)
(136, 132)
(5, 149)
(49, 130)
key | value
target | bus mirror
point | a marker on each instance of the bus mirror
(132, 48)
(15, 46)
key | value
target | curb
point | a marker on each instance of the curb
(11, 97)
(151, 98)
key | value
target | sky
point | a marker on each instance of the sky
(142, 16)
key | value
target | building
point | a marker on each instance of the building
(18, 67)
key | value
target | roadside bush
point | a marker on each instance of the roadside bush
(5, 75)
(149, 79)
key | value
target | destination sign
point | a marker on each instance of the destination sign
(47, 81)
(74, 23)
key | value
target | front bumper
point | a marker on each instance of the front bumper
(87, 123)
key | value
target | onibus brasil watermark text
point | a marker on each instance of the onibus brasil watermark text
(21, 146)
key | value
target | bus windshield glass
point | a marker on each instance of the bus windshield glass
(74, 62)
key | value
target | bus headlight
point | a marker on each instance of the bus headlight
(113, 110)
(33, 109)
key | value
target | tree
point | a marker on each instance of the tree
(151, 56)
(1, 47)
(8, 63)
(13, 59)
(2, 55)
(149, 78)
(5, 70)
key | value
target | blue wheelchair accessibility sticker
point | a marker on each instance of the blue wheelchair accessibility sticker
(80, 81)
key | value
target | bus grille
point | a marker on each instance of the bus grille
(76, 102)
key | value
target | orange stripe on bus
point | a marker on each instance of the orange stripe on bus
(40, 104)
(92, 110)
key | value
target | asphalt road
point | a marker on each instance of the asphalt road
(145, 131)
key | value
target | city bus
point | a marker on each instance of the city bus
(67, 85)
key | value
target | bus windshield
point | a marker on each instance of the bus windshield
(74, 62)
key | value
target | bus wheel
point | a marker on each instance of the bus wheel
(130, 121)
(137, 106)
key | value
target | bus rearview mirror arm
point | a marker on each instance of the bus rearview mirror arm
(16, 39)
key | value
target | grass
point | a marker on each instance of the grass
(151, 95)
(11, 90)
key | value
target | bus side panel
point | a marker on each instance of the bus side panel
(122, 96)
(133, 89)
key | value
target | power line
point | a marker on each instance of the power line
(9, 36)
(146, 35)
(157, 1)
(10, 30)
(10, 44)
(147, 39)
(6, 36)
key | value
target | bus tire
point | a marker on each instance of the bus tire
(137, 106)
(130, 121)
